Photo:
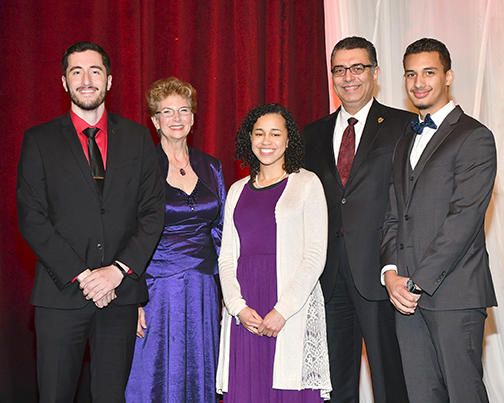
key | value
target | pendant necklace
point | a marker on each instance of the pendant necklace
(182, 170)
(278, 180)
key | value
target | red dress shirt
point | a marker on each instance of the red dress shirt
(101, 137)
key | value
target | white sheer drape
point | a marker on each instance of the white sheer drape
(473, 32)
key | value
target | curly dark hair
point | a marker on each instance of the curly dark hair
(294, 153)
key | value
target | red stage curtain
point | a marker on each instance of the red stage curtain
(236, 53)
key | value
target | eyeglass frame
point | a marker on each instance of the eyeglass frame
(162, 112)
(350, 68)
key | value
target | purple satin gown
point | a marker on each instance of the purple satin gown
(177, 359)
(251, 356)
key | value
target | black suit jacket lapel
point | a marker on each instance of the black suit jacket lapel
(372, 128)
(328, 147)
(72, 139)
(113, 148)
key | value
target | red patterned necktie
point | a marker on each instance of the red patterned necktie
(346, 151)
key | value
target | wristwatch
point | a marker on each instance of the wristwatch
(121, 268)
(411, 287)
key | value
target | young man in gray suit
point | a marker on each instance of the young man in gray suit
(433, 250)
(90, 206)
(351, 152)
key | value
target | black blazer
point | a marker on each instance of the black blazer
(70, 227)
(359, 208)
(434, 229)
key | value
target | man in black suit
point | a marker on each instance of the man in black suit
(353, 160)
(436, 264)
(91, 209)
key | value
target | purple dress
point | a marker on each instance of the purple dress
(251, 356)
(177, 359)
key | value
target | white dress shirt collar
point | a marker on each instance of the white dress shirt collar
(421, 140)
(342, 123)
(441, 114)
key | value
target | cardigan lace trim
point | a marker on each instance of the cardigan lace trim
(315, 373)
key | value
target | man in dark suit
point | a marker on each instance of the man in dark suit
(436, 264)
(353, 160)
(92, 210)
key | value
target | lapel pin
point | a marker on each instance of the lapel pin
(380, 120)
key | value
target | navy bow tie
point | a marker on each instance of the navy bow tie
(419, 126)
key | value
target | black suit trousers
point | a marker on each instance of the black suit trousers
(61, 341)
(350, 318)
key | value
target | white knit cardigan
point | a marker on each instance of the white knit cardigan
(301, 357)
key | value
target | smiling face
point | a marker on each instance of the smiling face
(269, 140)
(176, 127)
(354, 91)
(86, 80)
(426, 82)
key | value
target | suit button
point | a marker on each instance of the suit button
(406, 217)
(401, 246)
(337, 234)
(343, 201)
(99, 246)
(102, 211)
(411, 178)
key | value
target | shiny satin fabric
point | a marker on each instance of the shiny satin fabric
(187, 240)
(177, 359)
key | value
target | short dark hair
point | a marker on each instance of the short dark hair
(356, 42)
(294, 153)
(82, 47)
(430, 45)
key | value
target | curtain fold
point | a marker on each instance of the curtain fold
(472, 32)
(237, 54)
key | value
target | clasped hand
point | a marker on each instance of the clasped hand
(100, 284)
(270, 326)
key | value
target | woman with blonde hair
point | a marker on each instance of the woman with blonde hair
(176, 350)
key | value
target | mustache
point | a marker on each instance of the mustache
(423, 88)
(87, 87)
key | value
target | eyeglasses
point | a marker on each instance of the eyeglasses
(169, 113)
(355, 69)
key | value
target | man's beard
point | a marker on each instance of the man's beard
(90, 104)
(422, 107)
(420, 104)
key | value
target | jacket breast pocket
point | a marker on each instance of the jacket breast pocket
(122, 164)
(380, 151)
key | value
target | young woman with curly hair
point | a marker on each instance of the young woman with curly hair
(273, 252)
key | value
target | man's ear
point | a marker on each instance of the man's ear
(63, 81)
(449, 77)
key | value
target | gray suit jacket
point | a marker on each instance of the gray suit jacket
(434, 228)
